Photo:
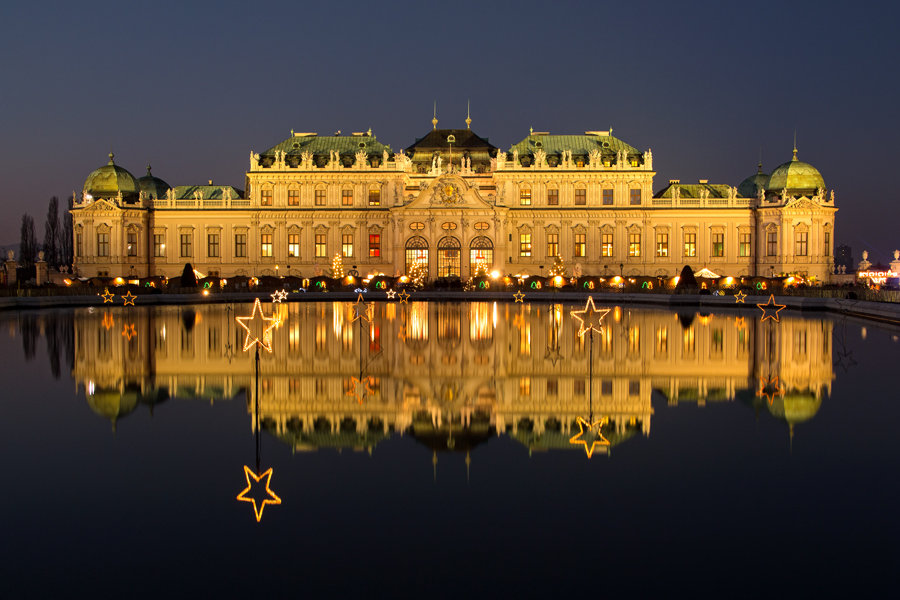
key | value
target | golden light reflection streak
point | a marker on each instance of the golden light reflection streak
(273, 499)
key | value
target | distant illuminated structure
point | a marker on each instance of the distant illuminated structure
(455, 205)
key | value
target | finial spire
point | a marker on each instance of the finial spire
(468, 115)
(760, 161)
(795, 145)
(111, 157)
(434, 121)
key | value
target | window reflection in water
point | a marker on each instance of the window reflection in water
(417, 326)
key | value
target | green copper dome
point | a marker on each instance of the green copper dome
(796, 177)
(109, 180)
(749, 188)
(154, 187)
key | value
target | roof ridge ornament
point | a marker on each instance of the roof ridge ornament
(468, 115)
(795, 146)
(434, 120)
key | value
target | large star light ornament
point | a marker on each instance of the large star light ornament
(268, 323)
(589, 435)
(279, 296)
(360, 388)
(107, 297)
(770, 309)
(363, 311)
(128, 298)
(590, 317)
(404, 297)
(740, 297)
(129, 332)
(519, 296)
(391, 294)
(272, 498)
(769, 384)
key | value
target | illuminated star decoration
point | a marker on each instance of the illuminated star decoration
(363, 311)
(590, 317)
(108, 321)
(739, 323)
(767, 385)
(391, 294)
(519, 296)
(739, 297)
(272, 499)
(266, 341)
(403, 297)
(278, 296)
(770, 309)
(128, 298)
(107, 297)
(129, 332)
(589, 435)
(360, 388)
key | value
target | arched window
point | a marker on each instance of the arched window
(448, 257)
(481, 252)
(416, 252)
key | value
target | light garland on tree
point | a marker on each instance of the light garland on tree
(337, 267)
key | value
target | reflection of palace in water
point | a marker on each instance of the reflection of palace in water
(451, 375)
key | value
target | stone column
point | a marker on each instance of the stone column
(42, 275)
(11, 271)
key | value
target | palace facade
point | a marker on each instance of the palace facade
(452, 200)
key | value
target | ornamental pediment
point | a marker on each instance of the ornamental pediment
(100, 205)
(448, 191)
(801, 204)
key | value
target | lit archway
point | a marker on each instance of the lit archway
(448, 257)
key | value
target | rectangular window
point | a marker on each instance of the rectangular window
(320, 197)
(662, 244)
(552, 244)
(346, 197)
(79, 245)
(293, 245)
(634, 244)
(102, 244)
(186, 243)
(240, 245)
(525, 244)
(374, 244)
(580, 245)
(690, 244)
(374, 197)
(159, 245)
(718, 244)
(552, 197)
(212, 245)
(266, 199)
(608, 197)
(293, 197)
(606, 244)
(744, 246)
(266, 244)
(580, 197)
(772, 243)
(801, 249)
(320, 245)
(347, 245)
(525, 197)
(827, 243)
(132, 244)
(635, 196)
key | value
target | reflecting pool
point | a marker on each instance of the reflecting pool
(447, 450)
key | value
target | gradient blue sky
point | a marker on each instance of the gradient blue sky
(193, 87)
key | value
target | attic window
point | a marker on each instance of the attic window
(606, 144)
(362, 144)
(296, 145)
(539, 144)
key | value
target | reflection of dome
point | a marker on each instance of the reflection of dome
(749, 188)
(795, 176)
(109, 180)
(154, 187)
(111, 404)
(793, 408)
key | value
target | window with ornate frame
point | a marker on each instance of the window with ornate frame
(580, 197)
(718, 245)
(266, 244)
(293, 245)
(346, 197)
(553, 197)
(525, 244)
(240, 245)
(266, 198)
(552, 244)
(132, 240)
(634, 244)
(635, 196)
(347, 245)
(690, 244)
(606, 245)
(525, 197)
(744, 244)
(772, 243)
(293, 197)
(212, 245)
(802, 247)
(580, 245)
(187, 240)
(320, 246)
(662, 244)
(320, 198)
(607, 197)
(374, 197)
(374, 245)
(102, 244)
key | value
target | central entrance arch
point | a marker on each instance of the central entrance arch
(416, 252)
(481, 252)
(448, 257)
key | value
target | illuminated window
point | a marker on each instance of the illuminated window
(525, 386)
(449, 226)
(662, 244)
(525, 197)
(159, 245)
(293, 245)
(634, 244)
(635, 196)
(293, 197)
(580, 196)
(662, 340)
(553, 197)
(799, 342)
(266, 199)
(102, 244)
(552, 244)
(801, 245)
(417, 226)
(772, 243)
(634, 340)
(525, 244)
(744, 246)
(240, 245)
(320, 245)
(346, 197)
(347, 245)
(320, 197)
(606, 244)
(608, 197)
(374, 197)
(186, 243)
(132, 244)
(416, 252)
(580, 245)
(718, 244)
(482, 226)
(690, 244)
(212, 245)
(374, 244)
(266, 244)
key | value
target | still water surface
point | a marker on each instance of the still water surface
(434, 452)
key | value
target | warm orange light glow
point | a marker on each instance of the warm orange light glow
(266, 342)
(739, 297)
(107, 297)
(129, 332)
(519, 296)
(391, 294)
(128, 298)
(108, 321)
(278, 296)
(403, 297)
(770, 309)
(764, 384)
(360, 388)
(590, 318)
(594, 436)
(273, 499)
(364, 311)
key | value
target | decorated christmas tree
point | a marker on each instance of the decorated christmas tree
(337, 267)
(481, 267)
(558, 268)
(417, 274)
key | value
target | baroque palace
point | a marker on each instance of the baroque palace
(449, 201)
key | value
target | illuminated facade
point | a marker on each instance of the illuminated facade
(451, 200)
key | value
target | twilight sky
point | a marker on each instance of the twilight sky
(193, 87)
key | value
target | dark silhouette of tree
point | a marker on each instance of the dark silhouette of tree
(51, 233)
(188, 279)
(686, 279)
(66, 236)
(27, 242)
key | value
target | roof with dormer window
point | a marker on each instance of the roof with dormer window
(297, 144)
